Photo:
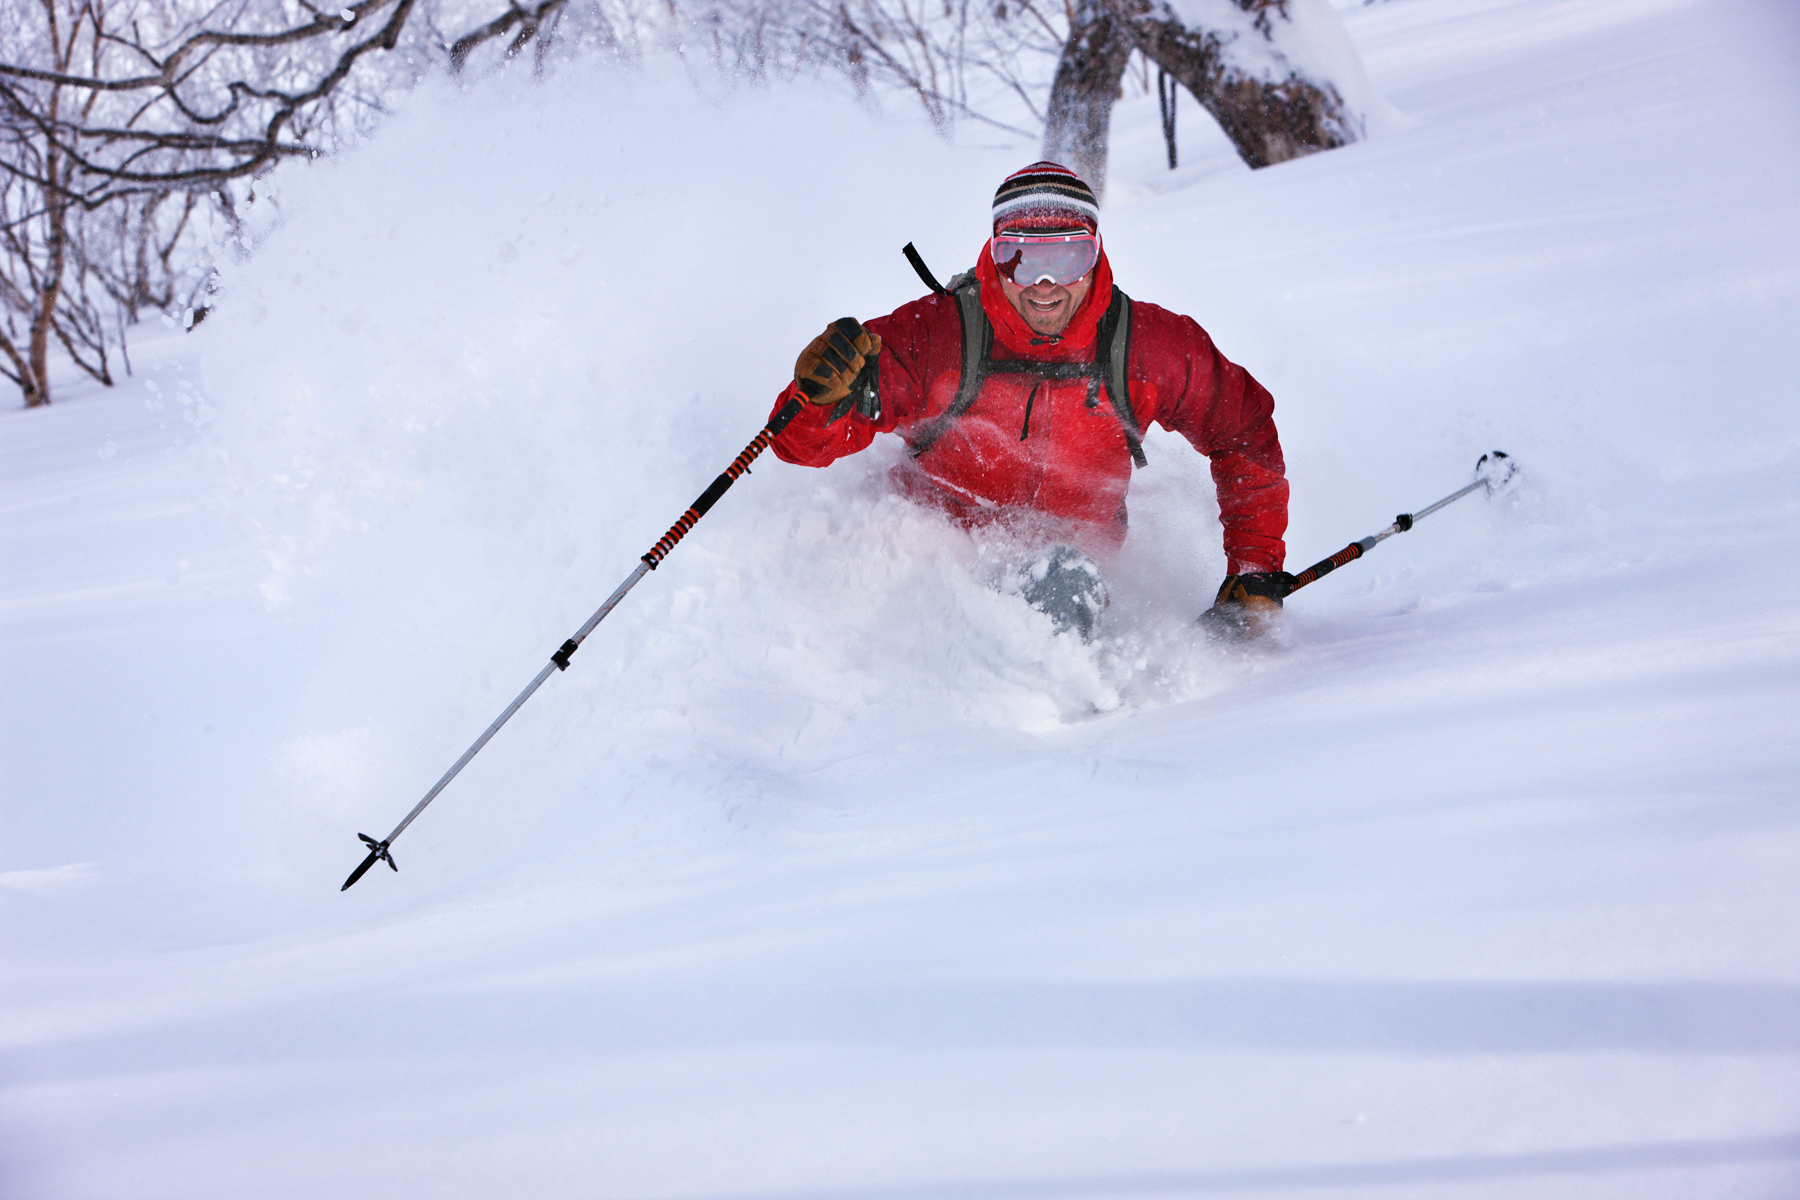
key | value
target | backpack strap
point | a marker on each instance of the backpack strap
(918, 264)
(1112, 356)
(977, 343)
(1115, 352)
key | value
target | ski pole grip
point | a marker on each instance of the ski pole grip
(722, 484)
(1324, 567)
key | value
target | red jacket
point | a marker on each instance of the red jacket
(1067, 468)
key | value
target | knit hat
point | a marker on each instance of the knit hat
(1045, 195)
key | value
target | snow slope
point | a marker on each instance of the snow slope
(826, 871)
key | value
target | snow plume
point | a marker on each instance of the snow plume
(487, 361)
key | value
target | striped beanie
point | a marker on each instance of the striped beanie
(1045, 195)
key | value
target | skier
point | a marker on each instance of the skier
(1021, 391)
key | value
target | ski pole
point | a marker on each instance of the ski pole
(378, 851)
(1494, 471)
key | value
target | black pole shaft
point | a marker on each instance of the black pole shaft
(378, 851)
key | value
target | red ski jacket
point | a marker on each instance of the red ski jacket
(1033, 451)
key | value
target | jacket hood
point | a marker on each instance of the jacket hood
(1076, 342)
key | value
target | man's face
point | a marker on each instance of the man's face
(1047, 307)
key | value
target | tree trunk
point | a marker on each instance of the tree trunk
(1246, 67)
(27, 383)
(1093, 62)
(56, 251)
(43, 319)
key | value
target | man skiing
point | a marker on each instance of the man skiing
(1006, 388)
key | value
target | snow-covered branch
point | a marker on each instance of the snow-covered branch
(1281, 77)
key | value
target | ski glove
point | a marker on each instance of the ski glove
(839, 369)
(1246, 604)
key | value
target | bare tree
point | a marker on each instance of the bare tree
(58, 282)
(155, 102)
(1248, 62)
(119, 117)
(955, 57)
(128, 125)
(616, 28)
(79, 277)
(36, 216)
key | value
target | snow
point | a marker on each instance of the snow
(826, 871)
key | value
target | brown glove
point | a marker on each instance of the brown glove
(1246, 604)
(836, 361)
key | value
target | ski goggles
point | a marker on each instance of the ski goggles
(1031, 258)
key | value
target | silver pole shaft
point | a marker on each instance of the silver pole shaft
(1400, 527)
(612, 601)
(472, 751)
(1453, 496)
(1402, 523)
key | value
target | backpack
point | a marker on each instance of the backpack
(1112, 351)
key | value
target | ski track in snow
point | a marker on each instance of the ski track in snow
(826, 871)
